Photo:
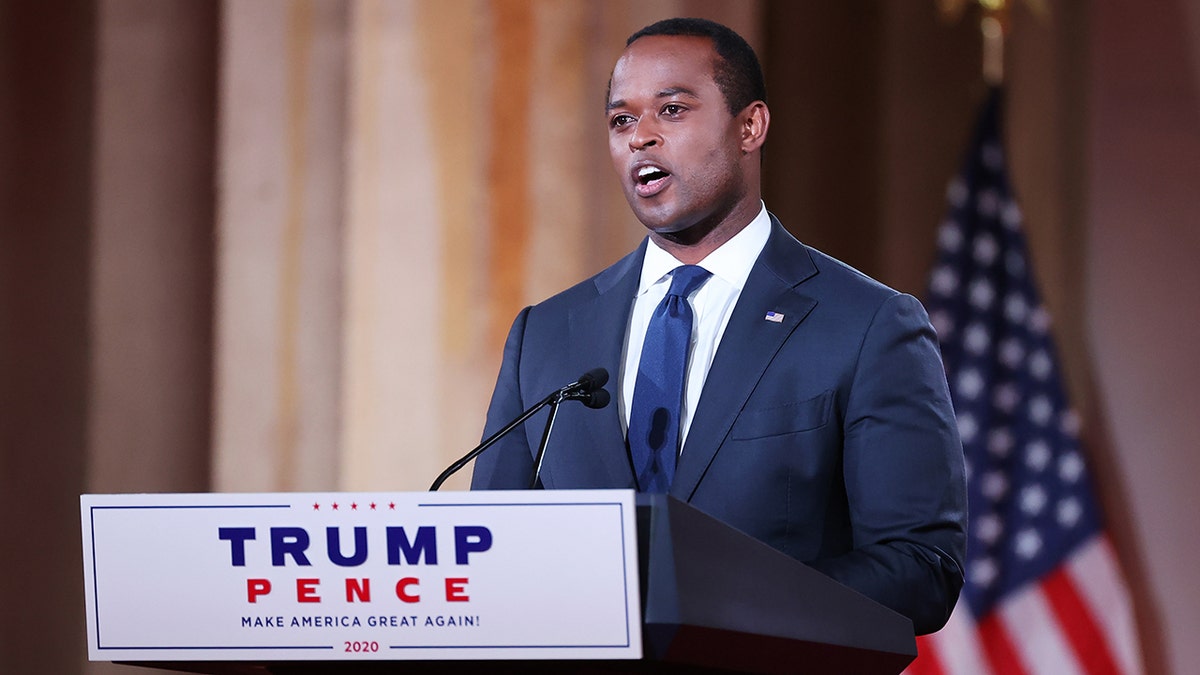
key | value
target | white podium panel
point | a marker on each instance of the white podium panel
(330, 576)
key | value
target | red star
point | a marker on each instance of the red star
(392, 506)
(335, 508)
(372, 506)
(353, 506)
(316, 507)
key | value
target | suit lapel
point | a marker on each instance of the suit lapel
(747, 348)
(597, 335)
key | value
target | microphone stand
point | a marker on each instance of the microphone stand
(559, 397)
(587, 389)
(554, 397)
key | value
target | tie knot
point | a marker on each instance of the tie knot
(687, 278)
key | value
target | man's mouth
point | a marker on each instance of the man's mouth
(650, 179)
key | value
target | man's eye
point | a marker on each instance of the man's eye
(672, 109)
(619, 121)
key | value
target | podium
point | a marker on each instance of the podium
(713, 600)
(717, 598)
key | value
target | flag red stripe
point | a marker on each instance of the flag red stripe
(998, 647)
(927, 662)
(1076, 621)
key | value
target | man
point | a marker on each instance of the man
(813, 412)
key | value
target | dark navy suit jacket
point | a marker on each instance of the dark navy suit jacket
(828, 435)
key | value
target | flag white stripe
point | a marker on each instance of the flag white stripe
(1094, 572)
(957, 645)
(1036, 636)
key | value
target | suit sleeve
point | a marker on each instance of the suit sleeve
(903, 472)
(508, 464)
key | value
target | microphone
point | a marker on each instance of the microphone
(591, 380)
(586, 389)
(594, 399)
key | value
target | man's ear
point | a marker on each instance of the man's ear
(755, 120)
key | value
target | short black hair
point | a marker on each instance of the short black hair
(737, 72)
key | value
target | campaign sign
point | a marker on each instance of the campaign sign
(294, 576)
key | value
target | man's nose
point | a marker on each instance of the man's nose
(645, 135)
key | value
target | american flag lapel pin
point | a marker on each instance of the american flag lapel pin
(774, 317)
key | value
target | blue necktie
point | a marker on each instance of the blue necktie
(658, 392)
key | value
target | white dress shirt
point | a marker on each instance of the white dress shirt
(712, 305)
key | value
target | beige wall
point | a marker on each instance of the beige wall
(1142, 299)
(45, 206)
(276, 244)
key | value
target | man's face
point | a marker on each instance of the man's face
(676, 148)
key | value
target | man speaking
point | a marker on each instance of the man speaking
(757, 379)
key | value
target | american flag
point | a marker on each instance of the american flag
(1044, 593)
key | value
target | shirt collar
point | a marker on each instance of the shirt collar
(731, 262)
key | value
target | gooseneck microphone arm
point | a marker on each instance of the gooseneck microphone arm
(541, 453)
(587, 389)
(453, 468)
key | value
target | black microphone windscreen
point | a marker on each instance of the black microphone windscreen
(593, 379)
(596, 399)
